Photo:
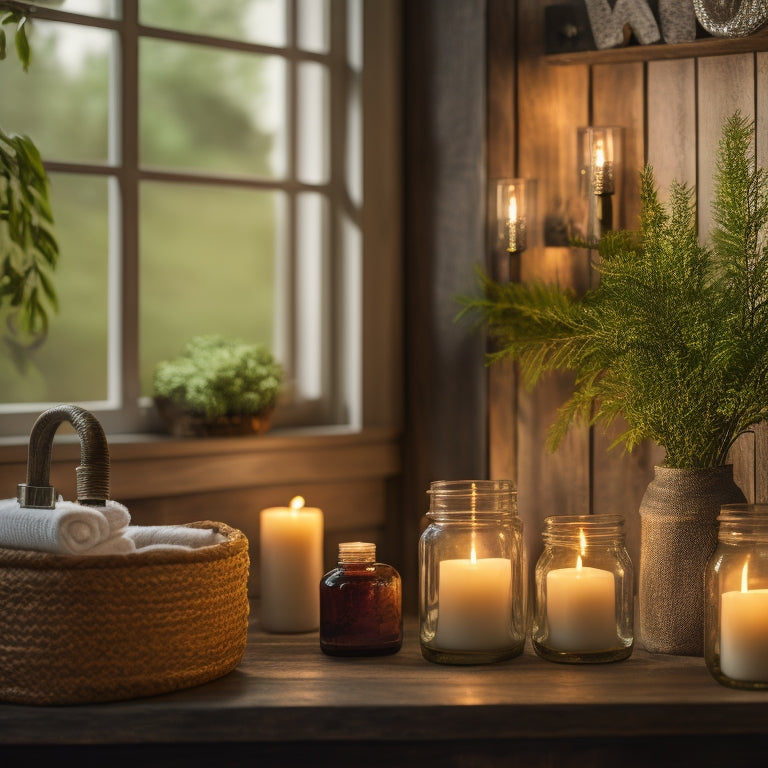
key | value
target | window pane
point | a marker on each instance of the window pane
(313, 123)
(71, 364)
(103, 8)
(62, 101)
(207, 266)
(313, 274)
(254, 21)
(313, 24)
(210, 110)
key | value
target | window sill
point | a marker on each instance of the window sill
(148, 466)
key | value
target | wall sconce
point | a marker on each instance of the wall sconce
(514, 208)
(599, 151)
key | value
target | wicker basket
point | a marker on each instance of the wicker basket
(87, 629)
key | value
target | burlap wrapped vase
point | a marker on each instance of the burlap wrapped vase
(678, 533)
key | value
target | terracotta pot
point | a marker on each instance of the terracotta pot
(183, 423)
(678, 533)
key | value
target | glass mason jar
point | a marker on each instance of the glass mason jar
(471, 574)
(584, 610)
(736, 620)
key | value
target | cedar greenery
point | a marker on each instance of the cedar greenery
(28, 248)
(674, 338)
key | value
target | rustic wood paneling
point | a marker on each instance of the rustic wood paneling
(552, 104)
(619, 479)
(672, 110)
(725, 84)
(445, 238)
(502, 144)
(671, 117)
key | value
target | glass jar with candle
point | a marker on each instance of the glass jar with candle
(736, 620)
(471, 574)
(584, 591)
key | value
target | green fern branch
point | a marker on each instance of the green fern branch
(674, 337)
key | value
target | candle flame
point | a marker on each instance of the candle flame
(582, 542)
(578, 562)
(512, 208)
(745, 577)
(473, 555)
(297, 502)
(599, 154)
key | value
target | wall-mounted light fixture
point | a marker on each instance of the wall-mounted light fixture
(599, 149)
(514, 207)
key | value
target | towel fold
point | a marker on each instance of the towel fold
(78, 529)
(67, 529)
(150, 537)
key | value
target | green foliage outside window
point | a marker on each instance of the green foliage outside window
(28, 248)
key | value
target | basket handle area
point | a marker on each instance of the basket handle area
(93, 472)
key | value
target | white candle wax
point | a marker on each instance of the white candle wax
(291, 566)
(744, 635)
(474, 604)
(581, 609)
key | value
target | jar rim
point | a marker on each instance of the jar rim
(464, 487)
(592, 521)
(744, 511)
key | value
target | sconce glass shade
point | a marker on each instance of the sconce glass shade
(514, 209)
(599, 152)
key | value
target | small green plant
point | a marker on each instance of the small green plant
(215, 376)
(674, 338)
(28, 249)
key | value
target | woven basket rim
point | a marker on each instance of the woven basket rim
(235, 540)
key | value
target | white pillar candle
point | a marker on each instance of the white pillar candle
(474, 604)
(744, 633)
(581, 609)
(291, 566)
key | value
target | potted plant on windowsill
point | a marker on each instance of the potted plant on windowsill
(674, 339)
(218, 386)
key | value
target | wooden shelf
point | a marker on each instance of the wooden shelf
(708, 46)
(287, 701)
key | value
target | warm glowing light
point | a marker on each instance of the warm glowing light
(745, 577)
(578, 562)
(599, 154)
(582, 541)
(473, 555)
(513, 208)
(297, 502)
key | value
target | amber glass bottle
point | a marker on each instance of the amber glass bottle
(361, 611)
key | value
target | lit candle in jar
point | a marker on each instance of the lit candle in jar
(516, 240)
(474, 603)
(602, 180)
(291, 566)
(744, 632)
(581, 607)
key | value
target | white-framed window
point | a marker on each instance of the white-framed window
(206, 165)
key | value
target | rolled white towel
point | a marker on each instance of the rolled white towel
(148, 537)
(67, 529)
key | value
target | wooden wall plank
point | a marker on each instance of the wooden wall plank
(725, 84)
(502, 143)
(619, 479)
(761, 123)
(671, 118)
(552, 104)
(617, 99)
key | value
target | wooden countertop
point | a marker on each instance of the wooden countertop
(287, 697)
